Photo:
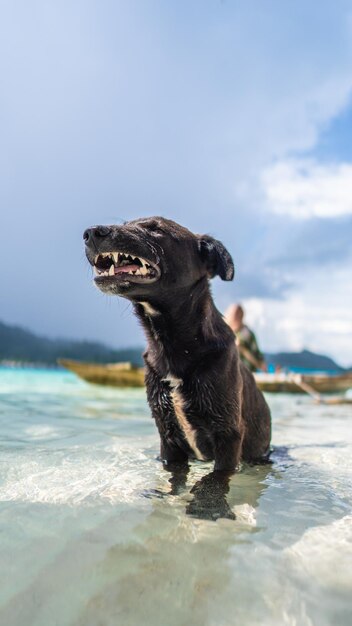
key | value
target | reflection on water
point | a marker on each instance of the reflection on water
(94, 531)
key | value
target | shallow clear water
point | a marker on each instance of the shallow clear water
(88, 538)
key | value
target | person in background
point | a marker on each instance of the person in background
(245, 339)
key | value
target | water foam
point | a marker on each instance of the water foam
(324, 553)
(76, 476)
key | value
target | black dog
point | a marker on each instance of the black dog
(204, 400)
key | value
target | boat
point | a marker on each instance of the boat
(291, 382)
(110, 374)
(128, 375)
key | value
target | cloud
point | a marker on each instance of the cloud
(316, 315)
(316, 242)
(304, 189)
(176, 109)
(263, 282)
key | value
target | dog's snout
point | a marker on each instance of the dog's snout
(95, 233)
(101, 231)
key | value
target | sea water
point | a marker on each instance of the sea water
(91, 536)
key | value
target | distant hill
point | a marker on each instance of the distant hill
(18, 344)
(303, 360)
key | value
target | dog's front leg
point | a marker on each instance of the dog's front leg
(175, 461)
(227, 451)
(209, 501)
(178, 476)
(171, 453)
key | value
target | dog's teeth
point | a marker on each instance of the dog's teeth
(115, 256)
(112, 270)
(143, 270)
(96, 258)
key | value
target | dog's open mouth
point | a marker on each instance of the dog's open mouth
(124, 266)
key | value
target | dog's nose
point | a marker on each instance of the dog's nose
(87, 234)
(96, 232)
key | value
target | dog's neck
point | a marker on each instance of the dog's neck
(185, 323)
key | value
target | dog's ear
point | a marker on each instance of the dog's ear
(217, 259)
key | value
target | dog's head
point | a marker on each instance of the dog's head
(150, 256)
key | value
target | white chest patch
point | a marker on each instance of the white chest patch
(173, 381)
(149, 310)
(189, 432)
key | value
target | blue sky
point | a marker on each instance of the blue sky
(233, 118)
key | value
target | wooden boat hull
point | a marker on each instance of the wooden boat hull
(110, 374)
(287, 383)
(125, 375)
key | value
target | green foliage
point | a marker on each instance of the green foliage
(18, 344)
(304, 360)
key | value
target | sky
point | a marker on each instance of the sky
(233, 118)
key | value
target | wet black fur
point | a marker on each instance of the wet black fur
(189, 340)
